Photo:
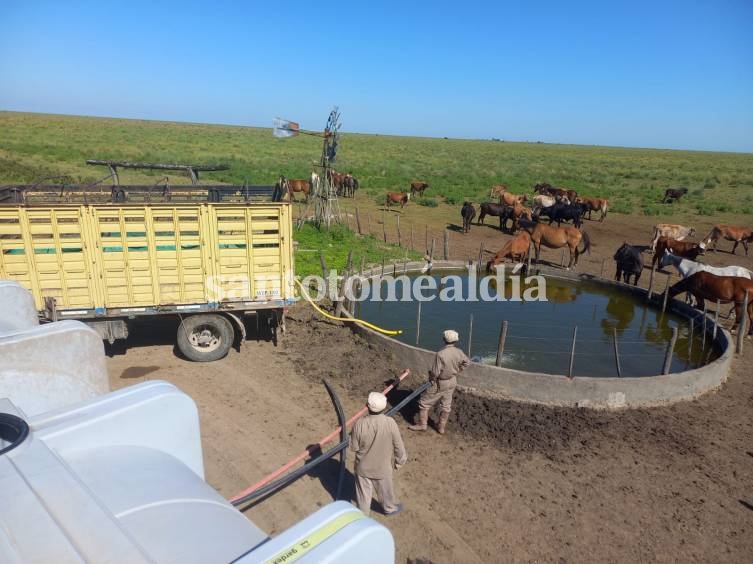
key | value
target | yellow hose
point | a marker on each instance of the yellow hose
(343, 319)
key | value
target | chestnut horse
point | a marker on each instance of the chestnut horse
(418, 187)
(292, 185)
(734, 233)
(706, 286)
(516, 248)
(396, 198)
(557, 237)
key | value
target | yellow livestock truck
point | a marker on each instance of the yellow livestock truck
(207, 255)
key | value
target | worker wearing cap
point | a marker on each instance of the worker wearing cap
(378, 446)
(448, 363)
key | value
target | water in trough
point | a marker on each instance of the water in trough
(540, 334)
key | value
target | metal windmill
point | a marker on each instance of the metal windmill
(323, 195)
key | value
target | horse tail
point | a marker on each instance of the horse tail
(586, 243)
(604, 210)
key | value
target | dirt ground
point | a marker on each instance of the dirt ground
(509, 482)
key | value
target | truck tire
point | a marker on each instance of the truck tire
(205, 337)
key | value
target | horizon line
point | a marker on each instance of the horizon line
(483, 139)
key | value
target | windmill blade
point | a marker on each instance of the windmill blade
(284, 128)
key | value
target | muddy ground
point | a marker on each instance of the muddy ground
(509, 482)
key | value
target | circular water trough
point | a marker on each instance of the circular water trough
(596, 390)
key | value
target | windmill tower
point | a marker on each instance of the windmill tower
(323, 197)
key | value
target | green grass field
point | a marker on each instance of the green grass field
(36, 145)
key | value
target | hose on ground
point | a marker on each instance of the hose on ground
(345, 319)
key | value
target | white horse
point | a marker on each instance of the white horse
(687, 267)
(314, 183)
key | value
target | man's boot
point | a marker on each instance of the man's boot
(442, 423)
(423, 421)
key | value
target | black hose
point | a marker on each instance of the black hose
(343, 437)
(412, 395)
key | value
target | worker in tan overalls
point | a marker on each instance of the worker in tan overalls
(378, 446)
(448, 363)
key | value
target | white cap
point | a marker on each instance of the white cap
(451, 336)
(377, 402)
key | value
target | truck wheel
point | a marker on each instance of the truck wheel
(205, 337)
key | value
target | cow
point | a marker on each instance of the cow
(593, 204)
(468, 212)
(734, 233)
(673, 194)
(671, 230)
(684, 249)
(401, 198)
(418, 187)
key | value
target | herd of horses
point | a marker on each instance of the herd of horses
(345, 185)
(702, 281)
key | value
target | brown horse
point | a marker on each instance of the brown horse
(418, 187)
(396, 198)
(594, 205)
(511, 199)
(734, 233)
(684, 249)
(706, 286)
(498, 189)
(557, 237)
(516, 249)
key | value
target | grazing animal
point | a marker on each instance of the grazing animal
(542, 201)
(516, 249)
(497, 189)
(557, 237)
(549, 190)
(401, 198)
(418, 187)
(687, 267)
(497, 210)
(671, 230)
(673, 194)
(297, 185)
(629, 263)
(707, 286)
(336, 180)
(682, 248)
(593, 205)
(468, 212)
(511, 199)
(350, 185)
(315, 184)
(560, 212)
(734, 233)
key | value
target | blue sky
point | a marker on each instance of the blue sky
(674, 74)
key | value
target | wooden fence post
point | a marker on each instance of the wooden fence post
(418, 323)
(411, 237)
(384, 227)
(446, 244)
(480, 257)
(666, 296)
(703, 335)
(431, 251)
(470, 335)
(651, 283)
(716, 317)
(399, 235)
(427, 237)
(325, 270)
(742, 326)
(368, 222)
(616, 353)
(572, 353)
(670, 352)
(358, 222)
(501, 344)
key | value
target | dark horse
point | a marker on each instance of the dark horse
(468, 213)
(629, 262)
(673, 194)
(706, 286)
